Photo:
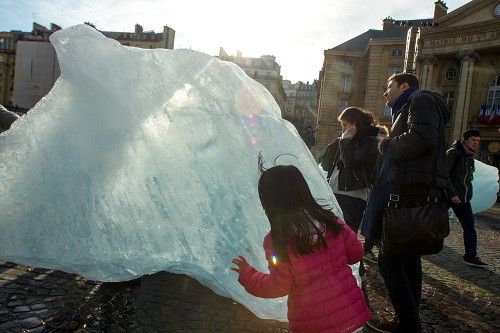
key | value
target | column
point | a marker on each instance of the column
(461, 114)
(427, 73)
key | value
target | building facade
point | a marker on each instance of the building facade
(459, 57)
(8, 47)
(301, 108)
(144, 39)
(355, 73)
(35, 65)
(36, 71)
(7, 65)
(456, 54)
(264, 70)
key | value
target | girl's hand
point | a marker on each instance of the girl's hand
(241, 264)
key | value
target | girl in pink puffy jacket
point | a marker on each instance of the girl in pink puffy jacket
(308, 251)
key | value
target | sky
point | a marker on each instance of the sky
(296, 32)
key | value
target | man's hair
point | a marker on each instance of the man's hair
(409, 78)
(471, 132)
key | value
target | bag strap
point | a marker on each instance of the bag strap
(334, 160)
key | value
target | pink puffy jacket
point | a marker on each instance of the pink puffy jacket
(322, 292)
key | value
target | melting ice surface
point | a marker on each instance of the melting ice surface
(139, 161)
(485, 186)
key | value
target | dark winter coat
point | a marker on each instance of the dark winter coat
(460, 171)
(417, 135)
(356, 159)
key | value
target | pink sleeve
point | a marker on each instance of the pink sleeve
(275, 284)
(353, 247)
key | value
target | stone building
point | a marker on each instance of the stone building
(264, 70)
(459, 57)
(7, 61)
(144, 39)
(36, 68)
(355, 73)
(301, 108)
(8, 47)
(456, 54)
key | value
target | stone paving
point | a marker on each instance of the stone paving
(456, 298)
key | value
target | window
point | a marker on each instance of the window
(397, 52)
(345, 83)
(449, 96)
(494, 92)
(394, 69)
(450, 74)
(342, 105)
(346, 63)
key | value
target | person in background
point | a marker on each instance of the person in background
(351, 163)
(460, 162)
(308, 251)
(6, 118)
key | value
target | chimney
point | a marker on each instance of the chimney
(138, 29)
(440, 9)
(387, 23)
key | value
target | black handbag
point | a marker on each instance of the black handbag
(415, 225)
(416, 230)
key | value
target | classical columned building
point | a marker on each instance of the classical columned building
(456, 54)
(459, 57)
(355, 73)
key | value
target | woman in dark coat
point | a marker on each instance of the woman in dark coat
(351, 163)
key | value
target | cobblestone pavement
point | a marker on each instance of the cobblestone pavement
(456, 298)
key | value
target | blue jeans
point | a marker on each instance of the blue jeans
(463, 211)
(353, 209)
(403, 279)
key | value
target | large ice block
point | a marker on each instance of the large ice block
(139, 161)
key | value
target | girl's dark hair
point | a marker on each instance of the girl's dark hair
(291, 209)
(361, 118)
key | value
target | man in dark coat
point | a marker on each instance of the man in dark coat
(417, 137)
(460, 159)
(6, 118)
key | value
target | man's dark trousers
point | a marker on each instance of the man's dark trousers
(403, 279)
(463, 211)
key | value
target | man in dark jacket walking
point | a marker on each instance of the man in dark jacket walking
(417, 138)
(460, 160)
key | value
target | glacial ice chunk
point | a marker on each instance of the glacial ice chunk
(139, 161)
(485, 187)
